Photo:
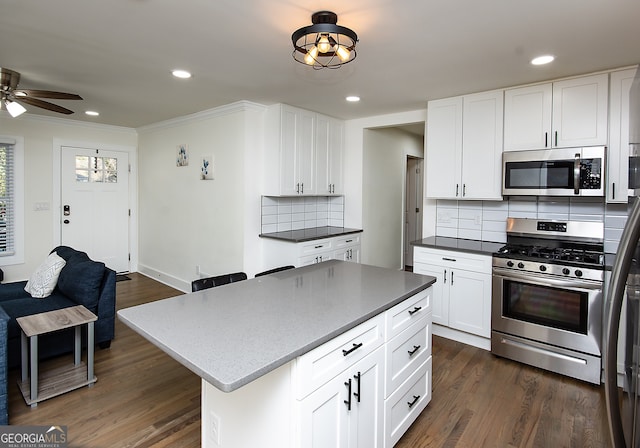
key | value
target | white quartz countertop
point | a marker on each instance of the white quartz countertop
(234, 334)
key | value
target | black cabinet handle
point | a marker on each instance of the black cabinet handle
(298, 188)
(546, 139)
(348, 401)
(457, 187)
(352, 349)
(451, 278)
(445, 276)
(464, 189)
(302, 188)
(449, 259)
(556, 138)
(414, 310)
(357, 394)
(415, 400)
(413, 352)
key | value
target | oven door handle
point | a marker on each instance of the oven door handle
(532, 278)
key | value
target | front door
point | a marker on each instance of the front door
(95, 204)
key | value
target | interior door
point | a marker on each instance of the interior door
(413, 207)
(95, 204)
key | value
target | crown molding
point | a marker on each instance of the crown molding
(68, 122)
(238, 106)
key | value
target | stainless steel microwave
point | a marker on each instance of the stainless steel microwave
(554, 172)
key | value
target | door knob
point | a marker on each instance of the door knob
(66, 221)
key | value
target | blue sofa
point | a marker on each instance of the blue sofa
(82, 281)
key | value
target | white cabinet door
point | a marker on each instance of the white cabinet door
(527, 117)
(444, 148)
(440, 291)
(305, 145)
(482, 145)
(288, 152)
(366, 428)
(580, 109)
(618, 161)
(328, 155)
(470, 302)
(324, 418)
(336, 154)
(323, 182)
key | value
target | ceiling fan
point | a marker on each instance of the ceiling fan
(11, 96)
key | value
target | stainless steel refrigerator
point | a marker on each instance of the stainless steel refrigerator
(623, 404)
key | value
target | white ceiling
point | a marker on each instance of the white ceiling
(118, 54)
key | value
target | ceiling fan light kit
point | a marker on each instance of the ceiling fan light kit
(324, 44)
(11, 96)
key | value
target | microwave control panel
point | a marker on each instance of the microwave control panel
(590, 174)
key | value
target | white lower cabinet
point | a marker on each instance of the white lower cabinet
(363, 388)
(346, 411)
(280, 253)
(461, 294)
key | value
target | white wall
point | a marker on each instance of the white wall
(383, 194)
(354, 164)
(39, 134)
(186, 222)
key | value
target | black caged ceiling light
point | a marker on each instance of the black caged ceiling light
(324, 44)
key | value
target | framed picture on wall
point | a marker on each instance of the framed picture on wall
(182, 158)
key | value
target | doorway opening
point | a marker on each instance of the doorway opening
(413, 207)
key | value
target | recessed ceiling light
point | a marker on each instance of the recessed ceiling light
(183, 74)
(353, 99)
(541, 60)
(93, 113)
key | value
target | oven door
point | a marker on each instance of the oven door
(566, 313)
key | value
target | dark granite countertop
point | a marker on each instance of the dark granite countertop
(315, 233)
(459, 244)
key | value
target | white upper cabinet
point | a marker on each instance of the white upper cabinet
(482, 145)
(618, 161)
(444, 148)
(561, 114)
(464, 147)
(527, 117)
(303, 153)
(329, 154)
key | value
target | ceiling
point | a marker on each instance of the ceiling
(118, 54)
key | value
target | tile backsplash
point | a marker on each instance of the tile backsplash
(486, 220)
(280, 214)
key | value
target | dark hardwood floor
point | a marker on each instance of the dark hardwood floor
(144, 398)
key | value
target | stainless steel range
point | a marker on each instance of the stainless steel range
(547, 296)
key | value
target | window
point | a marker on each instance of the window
(11, 201)
(96, 169)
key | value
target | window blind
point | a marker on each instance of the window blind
(7, 201)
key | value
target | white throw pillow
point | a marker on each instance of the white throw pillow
(44, 279)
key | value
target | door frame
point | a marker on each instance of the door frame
(56, 207)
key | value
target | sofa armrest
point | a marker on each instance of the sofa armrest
(106, 307)
(14, 290)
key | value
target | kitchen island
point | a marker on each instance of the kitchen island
(297, 358)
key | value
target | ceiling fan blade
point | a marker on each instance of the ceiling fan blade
(46, 94)
(45, 105)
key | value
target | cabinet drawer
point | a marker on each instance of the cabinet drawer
(453, 259)
(406, 352)
(314, 247)
(404, 314)
(406, 404)
(345, 241)
(321, 364)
